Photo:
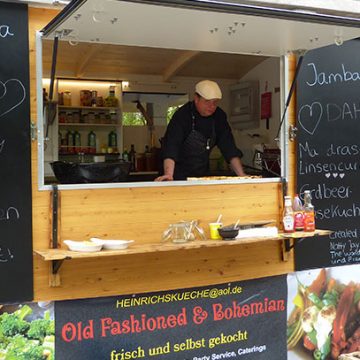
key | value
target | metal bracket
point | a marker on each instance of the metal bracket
(289, 244)
(292, 132)
(56, 264)
(55, 209)
(33, 131)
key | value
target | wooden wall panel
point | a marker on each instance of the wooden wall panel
(142, 214)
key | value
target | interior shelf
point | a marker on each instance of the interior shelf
(88, 124)
(88, 108)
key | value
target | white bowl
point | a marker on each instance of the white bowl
(112, 244)
(83, 246)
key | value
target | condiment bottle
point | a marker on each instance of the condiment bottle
(298, 213)
(288, 216)
(309, 213)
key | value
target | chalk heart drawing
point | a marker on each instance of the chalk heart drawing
(12, 95)
(341, 175)
(309, 117)
(335, 175)
(327, 175)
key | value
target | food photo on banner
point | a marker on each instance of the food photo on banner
(242, 320)
(27, 331)
(323, 314)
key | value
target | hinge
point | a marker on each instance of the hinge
(292, 132)
(33, 130)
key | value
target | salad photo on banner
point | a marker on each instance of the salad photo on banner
(323, 320)
(243, 320)
(27, 331)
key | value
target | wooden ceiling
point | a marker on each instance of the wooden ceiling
(88, 60)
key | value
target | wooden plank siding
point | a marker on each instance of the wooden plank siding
(143, 214)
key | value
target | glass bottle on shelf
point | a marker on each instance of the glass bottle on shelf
(112, 140)
(70, 142)
(298, 213)
(132, 157)
(77, 142)
(309, 212)
(125, 154)
(288, 216)
(111, 100)
(92, 142)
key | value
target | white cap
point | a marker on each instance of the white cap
(208, 90)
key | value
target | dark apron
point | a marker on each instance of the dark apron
(194, 156)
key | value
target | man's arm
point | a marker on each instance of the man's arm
(236, 165)
(169, 167)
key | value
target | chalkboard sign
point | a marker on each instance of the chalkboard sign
(245, 319)
(16, 282)
(328, 152)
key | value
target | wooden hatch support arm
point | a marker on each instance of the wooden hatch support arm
(149, 122)
(54, 238)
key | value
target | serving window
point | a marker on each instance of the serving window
(154, 65)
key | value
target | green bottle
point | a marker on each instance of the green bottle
(92, 142)
(112, 139)
(125, 155)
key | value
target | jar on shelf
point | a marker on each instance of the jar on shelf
(62, 117)
(76, 117)
(69, 117)
(85, 97)
(113, 117)
(91, 117)
(97, 118)
(84, 118)
(100, 101)
(102, 119)
(67, 98)
(61, 98)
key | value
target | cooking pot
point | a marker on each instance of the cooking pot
(99, 172)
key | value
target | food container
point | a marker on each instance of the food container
(83, 246)
(214, 233)
(80, 173)
(112, 244)
(67, 98)
(228, 232)
(85, 98)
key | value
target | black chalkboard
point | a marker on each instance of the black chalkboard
(237, 320)
(16, 273)
(328, 152)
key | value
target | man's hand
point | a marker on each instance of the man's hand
(236, 165)
(169, 166)
(164, 178)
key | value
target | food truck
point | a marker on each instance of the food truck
(148, 56)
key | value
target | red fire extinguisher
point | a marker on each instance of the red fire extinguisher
(266, 105)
